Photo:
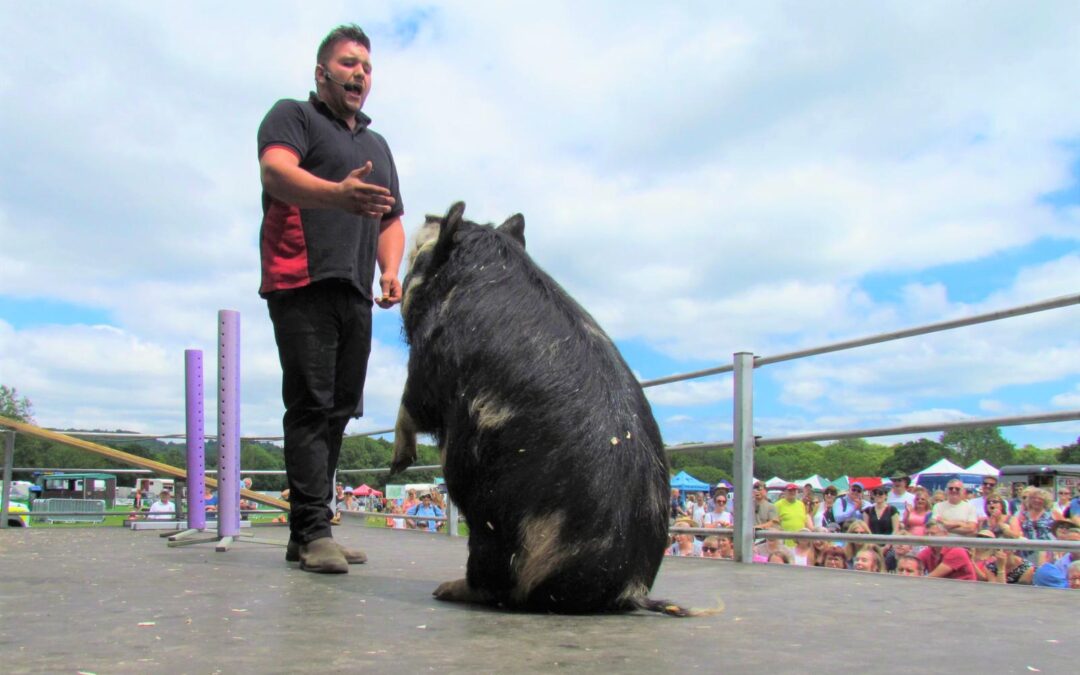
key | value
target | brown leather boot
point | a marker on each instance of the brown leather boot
(323, 556)
(353, 556)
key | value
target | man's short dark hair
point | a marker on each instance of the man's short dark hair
(348, 32)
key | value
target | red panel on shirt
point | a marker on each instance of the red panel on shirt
(284, 250)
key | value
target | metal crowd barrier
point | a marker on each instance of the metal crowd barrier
(63, 510)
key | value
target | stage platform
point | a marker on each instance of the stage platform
(111, 600)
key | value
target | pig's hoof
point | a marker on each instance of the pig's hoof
(460, 591)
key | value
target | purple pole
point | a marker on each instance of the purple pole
(196, 433)
(228, 423)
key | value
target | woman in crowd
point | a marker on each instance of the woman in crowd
(994, 518)
(894, 552)
(1062, 503)
(852, 548)
(882, 517)
(939, 496)
(835, 557)
(804, 553)
(1001, 566)
(869, 560)
(396, 523)
(719, 516)
(1034, 519)
(717, 547)
(685, 544)
(695, 506)
(410, 500)
(916, 517)
(824, 515)
(780, 557)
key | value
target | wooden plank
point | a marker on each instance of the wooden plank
(127, 458)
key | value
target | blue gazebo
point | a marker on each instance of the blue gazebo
(687, 483)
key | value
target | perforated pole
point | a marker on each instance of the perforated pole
(228, 424)
(196, 445)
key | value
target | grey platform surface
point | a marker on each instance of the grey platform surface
(110, 600)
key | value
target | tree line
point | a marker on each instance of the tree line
(855, 457)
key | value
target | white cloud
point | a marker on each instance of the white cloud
(704, 180)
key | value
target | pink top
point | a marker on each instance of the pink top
(915, 523)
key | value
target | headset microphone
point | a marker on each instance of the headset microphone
(347, 86)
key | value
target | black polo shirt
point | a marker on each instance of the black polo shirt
(300, 246)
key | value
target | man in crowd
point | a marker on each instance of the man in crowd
(792, 512)
(949, 562)
(850, 508)
(765, 515)
(425, 508)
(163, 508)
(898, 497)
(989, 484)
(956, 515)
(331, 212)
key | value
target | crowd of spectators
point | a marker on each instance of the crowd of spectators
(900, 509)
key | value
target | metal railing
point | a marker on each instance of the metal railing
(744, 442)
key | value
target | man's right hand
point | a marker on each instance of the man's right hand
(362, 198)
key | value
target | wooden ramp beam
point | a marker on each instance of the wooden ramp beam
(127, 458)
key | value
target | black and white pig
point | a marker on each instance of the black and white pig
(548, 444)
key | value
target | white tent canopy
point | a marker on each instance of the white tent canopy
(776, 483)
(983, 468)
(941, 466)
(816, 481)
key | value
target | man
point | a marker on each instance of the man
(765, 515)
(958, 516)
(949, 562)
(163, 509)
(791, 512)
(850, 508)
(331, 211)
(909, 565)
(899, 498)
(425, 508)
(989, 485)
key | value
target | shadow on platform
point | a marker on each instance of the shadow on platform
(110, 600)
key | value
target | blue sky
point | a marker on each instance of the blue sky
(704, 178)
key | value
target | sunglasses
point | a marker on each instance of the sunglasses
(989, 484)
(709, 549)
(956, 489)
(721, 501)
(856, 489)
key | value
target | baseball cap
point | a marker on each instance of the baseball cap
(791, 486)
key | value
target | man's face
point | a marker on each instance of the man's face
(955, 492)
(759, 492)
(1074, 579)
(907, 567)
(349, 62)
(727, 549)
(988, 486)
(789, 494)
(164, 497)
(899, 486)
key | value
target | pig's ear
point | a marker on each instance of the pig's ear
(447, 230)
(515, 227)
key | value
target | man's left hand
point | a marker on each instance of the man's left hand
(391, 291)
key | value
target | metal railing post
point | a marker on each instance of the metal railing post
(743, 456)
(9, 461)
(452, 517)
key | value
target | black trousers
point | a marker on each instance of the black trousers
(323, 334)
